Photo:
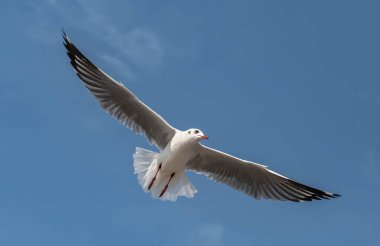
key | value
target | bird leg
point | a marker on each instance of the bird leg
(154, 178)
(166, 186)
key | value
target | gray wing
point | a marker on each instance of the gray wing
(254, 179)
(118, 101)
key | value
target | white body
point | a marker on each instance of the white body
(173, 160)
(177, 153)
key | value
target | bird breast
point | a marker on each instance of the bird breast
(177, 153)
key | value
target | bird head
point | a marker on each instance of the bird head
(196, 134)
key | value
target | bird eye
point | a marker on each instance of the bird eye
(196, 131)
(188, 132)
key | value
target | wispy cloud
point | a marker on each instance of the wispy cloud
(138, 46)
(142, 46)
(210, 234)
(120, 66)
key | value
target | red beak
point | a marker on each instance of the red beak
(204, 137)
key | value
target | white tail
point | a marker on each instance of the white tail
(146, 166)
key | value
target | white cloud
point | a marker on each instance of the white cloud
(210, 234)
(138, 46)
(120, 66)
(52, 2)
(142, 46)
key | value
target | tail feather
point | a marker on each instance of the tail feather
(146, 165)
(144, 161)
(184, 187)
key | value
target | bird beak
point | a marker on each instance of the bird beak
(204, 137)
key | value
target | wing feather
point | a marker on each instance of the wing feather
(251, 178)
(118, 101)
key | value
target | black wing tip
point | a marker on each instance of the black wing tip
(325, 196)
(70, 47)
(315, 193)
(64, 32)
(74, 53)
(66, 40)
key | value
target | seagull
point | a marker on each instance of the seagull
(163, 174)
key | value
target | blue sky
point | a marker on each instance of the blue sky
(290, 84)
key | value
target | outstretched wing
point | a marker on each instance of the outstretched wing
(254, 179)
(118, 101)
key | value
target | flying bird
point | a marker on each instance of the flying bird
(163, 174)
